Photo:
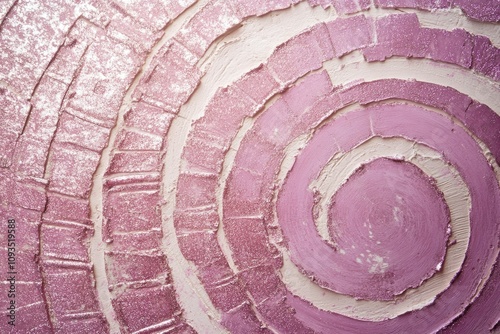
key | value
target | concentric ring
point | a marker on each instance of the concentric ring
(219, 160)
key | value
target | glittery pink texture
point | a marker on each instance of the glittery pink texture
(481, 10)
(480, 119)
(170, 82)
(126, 267)
(242, 319)
(140, 241)
(341, 7)
(401, 35)
(130, 162)
(13, 116)
(74, 130)
(129, 212)
(245, 192)
(350, 34)
(130, 306)
(260, 7)
(290, 61)
(60, 285)
(203, 155)
(421, 4)
(196, 220)
(303, 95)
(134, 141)
(72, 171)
(148, 118)
(176, 7)
(256, 154)
(154, 13)
(413, 219)
(65, 243)
(230, 105)
(41, 35)
(200, 247)
(258, 84)
(196, 190)
(93, 93)
(486, 58)
(255, 250)
(209, 23)
(66, 208)
(393, 35)
(227, 295)
(35, 313)
(69, 70)
(382, 119)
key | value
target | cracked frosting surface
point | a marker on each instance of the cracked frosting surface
(287, 166)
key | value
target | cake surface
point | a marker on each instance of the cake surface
(285, 166)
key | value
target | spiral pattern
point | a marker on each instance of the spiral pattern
(285, 166)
